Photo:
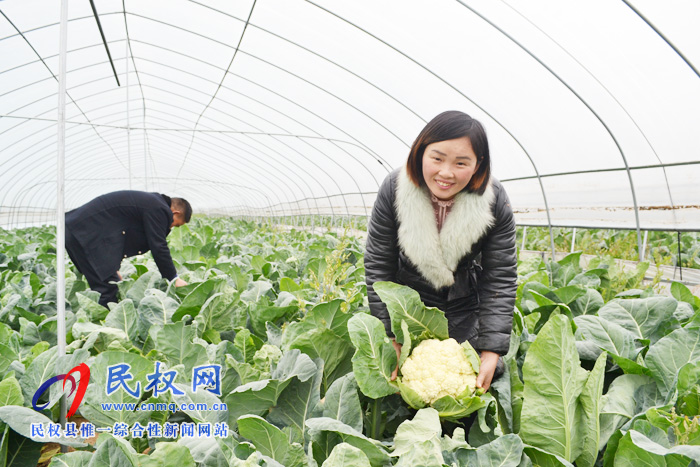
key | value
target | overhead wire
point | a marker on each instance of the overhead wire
(235, 52)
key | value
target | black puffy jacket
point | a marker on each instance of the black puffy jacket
(468, 269)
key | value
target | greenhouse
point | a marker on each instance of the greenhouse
(279, 146)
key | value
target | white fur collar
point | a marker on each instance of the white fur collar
(436, 255)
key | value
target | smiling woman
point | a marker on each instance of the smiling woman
(456, 144)
(448, 166)
(444, 227)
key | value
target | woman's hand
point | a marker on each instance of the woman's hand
(489, 360)
(397, 347)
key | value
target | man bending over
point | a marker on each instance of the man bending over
(117, 225)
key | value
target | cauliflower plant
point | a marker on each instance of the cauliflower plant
(438, 368)
(266, 356)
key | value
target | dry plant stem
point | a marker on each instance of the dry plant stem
(397, 347)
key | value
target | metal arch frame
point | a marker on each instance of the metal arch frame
(40, 131)
(498, 122)
(19, 196)
(221, 111)
(190, 130)
(196, 185)
(566, 173)
(277, 138)
(301, 137)
(583, 101)
(288, 72)
(185, 98)
(60, 200)
(205, 155)
(332, 140)
(610, 94)
(176, 130)
(236, 51)
(127, 72)
(255, 149)
(15, 142)
(358, 144)
(254, 114)
(22, 194)
(37, 151)
(44, 112)
(338, 195)
(116, 178)
(330, 178)
(166, 178)
(274, 66)
(316, 148)
(222, 149)
(367, 149)
(350, 71)
(666, 39)
(159, 112)
(51, 73)
(335, 162)
(122, 128)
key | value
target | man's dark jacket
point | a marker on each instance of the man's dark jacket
(468, 269)
(122, 224)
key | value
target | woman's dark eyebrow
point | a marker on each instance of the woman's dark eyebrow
(443, 154)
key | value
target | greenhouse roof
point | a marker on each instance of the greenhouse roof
(284, 107)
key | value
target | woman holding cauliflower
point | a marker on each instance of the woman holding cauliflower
(444, 227)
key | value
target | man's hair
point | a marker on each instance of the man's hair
(449, 125)
(183, 205)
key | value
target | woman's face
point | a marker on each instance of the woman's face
(448, 166)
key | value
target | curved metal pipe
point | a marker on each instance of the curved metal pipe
(583, 101)
(610, 94)
(666, 39)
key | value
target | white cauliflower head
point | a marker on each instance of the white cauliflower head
(438, 368)
(266, 356)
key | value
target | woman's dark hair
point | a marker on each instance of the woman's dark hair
(449, 125)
